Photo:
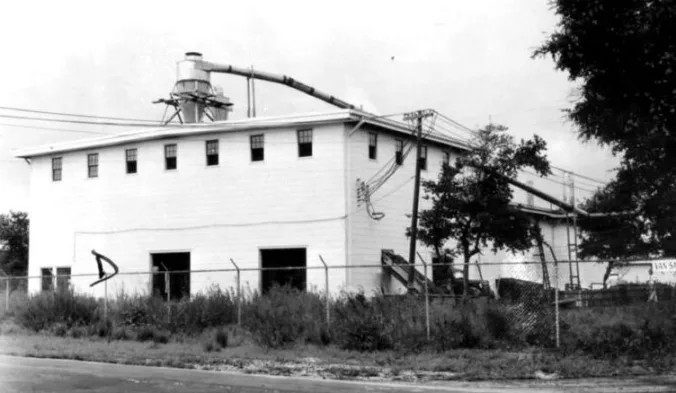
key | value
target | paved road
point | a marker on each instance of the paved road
(18, 374)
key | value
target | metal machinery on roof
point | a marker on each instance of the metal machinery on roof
(193, 97)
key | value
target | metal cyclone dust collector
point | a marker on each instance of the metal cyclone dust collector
(192, 81)
(193, 97)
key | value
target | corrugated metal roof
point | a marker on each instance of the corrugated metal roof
(258, 123)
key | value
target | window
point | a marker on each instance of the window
(373, 145)
(62, 278)
(399, 151)
(170, 156)
(304, 143)
(212, 152)
(423, 158)
(47, 279)
(93, 165)
(447, 158)
(257, 151)
(130, 156)
(56, 168)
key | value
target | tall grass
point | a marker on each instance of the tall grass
(286, 316)
(64, 307)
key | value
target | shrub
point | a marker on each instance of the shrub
(120, 333)
(152, 333)
(64, 306)
(78, 332)
(139, 310)
(58, 329)
(635, 331)
(221, 338)
(284, 316)
(208, 345)
(361, 324)
(103, 328)
(202, 311)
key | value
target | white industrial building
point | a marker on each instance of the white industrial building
(261, 192)
(175, 200)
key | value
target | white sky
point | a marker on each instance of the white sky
(466, 59)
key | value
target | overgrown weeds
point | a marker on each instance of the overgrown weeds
(285, 317)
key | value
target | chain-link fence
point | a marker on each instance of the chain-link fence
(522, 299)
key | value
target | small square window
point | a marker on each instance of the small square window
(304, 143)
(47, 279)
(56, 168)
(373, 145)
(62, 278)
(130, 156)
(212, 152)
(170, 151)
(257, 147)
(399, 151)
(423, 158)
(447, 158)
(93, 165)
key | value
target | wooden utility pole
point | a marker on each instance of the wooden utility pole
(418, 116)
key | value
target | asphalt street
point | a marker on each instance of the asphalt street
(19, 374)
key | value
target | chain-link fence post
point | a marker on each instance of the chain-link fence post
(7, 294)
(239, 294)
(326, 292)
(167, 289)
(105, 300)
(557, 323)
(427, 302)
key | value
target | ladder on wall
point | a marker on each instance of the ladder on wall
(573, 264)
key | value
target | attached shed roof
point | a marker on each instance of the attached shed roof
(257, 123)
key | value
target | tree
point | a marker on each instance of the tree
(623, 54)
(471, 199)
(14, 233)
(620, 234)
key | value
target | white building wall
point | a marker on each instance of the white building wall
(367, 237)
(217, 213)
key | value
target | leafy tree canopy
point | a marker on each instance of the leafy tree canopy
(471, 199)
(14, 235)
(624, 54)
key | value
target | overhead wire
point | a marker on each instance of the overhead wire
(99, 123)
(54, 129)
(556, 181)
(74, 114)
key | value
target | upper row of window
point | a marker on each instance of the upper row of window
(256, 143)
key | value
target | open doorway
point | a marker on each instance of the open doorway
(178, 285)
(283, 257)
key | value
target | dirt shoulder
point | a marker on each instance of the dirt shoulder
(329, 362)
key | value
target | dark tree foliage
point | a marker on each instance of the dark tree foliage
(14, 234)
(624, 54)
(471, 199)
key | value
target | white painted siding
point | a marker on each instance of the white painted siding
(227, 211)
(367, 236)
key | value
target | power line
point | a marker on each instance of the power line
(556, 181)
(578, 175)
(74, 114)
(53, 129)
(98, 123)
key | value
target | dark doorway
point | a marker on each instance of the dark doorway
(179, 283)
(284, 257)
